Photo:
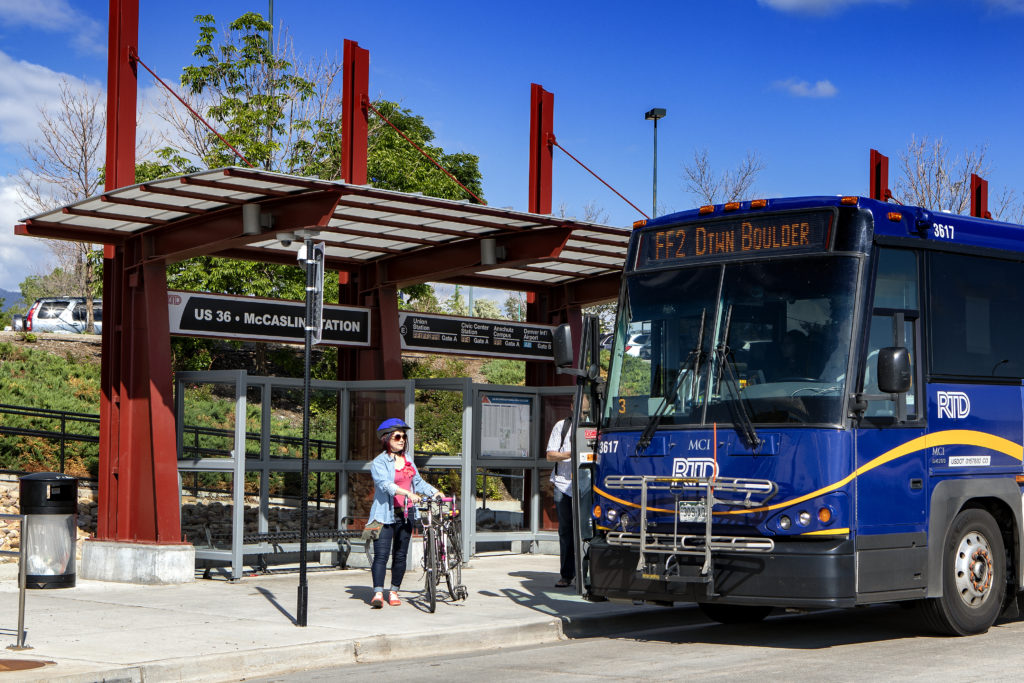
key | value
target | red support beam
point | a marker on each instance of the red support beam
(138, 494)
(542, 122)
(979, 197)
(879, 176)
(122, 93)
(354, 113)
(463, 258)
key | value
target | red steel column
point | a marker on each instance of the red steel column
(542, 121)
(355, 96)
(879, 177)
(138, 498)
(979, 197)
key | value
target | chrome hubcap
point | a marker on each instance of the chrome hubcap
(973, 569)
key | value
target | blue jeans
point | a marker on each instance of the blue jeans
(566, 542)
(394, 542)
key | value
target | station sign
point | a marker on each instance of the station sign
(475, 336)
(224, 316)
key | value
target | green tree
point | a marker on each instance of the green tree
(249, 88)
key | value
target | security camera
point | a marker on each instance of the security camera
(286, 243)
(285, 238)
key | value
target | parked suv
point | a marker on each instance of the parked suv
(63, 314)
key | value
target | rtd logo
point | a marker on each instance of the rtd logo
(694, 467)
(174, 299)
(954, 404)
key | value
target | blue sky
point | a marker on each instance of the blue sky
(809, 85)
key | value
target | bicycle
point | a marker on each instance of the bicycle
(442, 549)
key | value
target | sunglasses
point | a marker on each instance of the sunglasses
(398, 436)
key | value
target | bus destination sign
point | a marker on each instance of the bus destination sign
(476, 336)
(743, 237)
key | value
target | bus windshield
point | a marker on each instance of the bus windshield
(763, 342)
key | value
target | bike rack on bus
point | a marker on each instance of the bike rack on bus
(701, 494)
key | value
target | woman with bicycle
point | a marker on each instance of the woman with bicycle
(397, 488)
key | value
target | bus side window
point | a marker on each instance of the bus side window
(893, 323)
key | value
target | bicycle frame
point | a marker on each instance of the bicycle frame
(442, 553)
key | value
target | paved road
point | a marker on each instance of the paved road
(877, 643)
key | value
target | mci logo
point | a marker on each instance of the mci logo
(694, 467)
(954, 404)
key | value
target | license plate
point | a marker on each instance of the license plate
(692, 511)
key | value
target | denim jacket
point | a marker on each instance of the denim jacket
(384, 487)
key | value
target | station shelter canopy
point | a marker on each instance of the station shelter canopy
(414, 237)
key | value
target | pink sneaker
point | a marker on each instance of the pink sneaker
(378, 601)
(393, 600)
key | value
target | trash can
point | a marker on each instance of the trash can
(49, 502)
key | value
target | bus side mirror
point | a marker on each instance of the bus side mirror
(893, 370)
(563, 346)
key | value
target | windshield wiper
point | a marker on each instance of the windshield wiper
(692, 362)
(744, 424)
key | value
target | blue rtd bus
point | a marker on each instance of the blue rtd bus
(828, 414)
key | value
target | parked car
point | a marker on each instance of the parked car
(63, 314)
(638, 345)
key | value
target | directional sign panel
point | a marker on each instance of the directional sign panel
(475, 336)
(271, 320)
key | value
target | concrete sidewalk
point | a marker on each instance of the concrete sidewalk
(216, 630)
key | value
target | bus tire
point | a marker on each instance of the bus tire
(973, 576)
(734, 614)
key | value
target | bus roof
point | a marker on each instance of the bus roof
(891, 220)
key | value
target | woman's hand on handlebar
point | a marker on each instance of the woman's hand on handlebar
(414, 497)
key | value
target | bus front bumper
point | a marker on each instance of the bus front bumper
(811, 574)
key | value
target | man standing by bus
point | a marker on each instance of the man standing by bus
(559, 451)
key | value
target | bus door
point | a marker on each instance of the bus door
(892, 471)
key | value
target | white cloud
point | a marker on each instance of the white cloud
(19, 256)
(798, 88)
(24, 88)
(822, 7)
(1012, 6)
(55, 16)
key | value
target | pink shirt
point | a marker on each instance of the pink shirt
(403, 480)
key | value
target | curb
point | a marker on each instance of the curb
(289, 659)
(380, 648)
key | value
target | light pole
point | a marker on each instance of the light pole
(654, 115)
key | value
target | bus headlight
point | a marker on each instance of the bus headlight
(613, 515)
(804, 518)
(785, 522)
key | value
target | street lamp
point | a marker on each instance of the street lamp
(654, 115)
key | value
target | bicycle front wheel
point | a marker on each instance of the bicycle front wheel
(453, 551)
(430, 567)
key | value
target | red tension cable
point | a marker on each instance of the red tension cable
(193, 111)
(430, 158)
(555, 143)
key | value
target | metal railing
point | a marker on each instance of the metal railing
(61, 435)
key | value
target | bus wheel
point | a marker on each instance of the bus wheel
(734, 614)
(973, 576)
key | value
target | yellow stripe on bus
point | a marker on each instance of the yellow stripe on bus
(951, 437)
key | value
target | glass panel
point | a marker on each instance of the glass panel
(360, 497)
(438, 422)
(505, 425)
(656, 344)
(783, 351)
(896, 281)
(501, 499)
(209, 421)
(368, 409)
(447, 480)
(975, 328)
(548, 512)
